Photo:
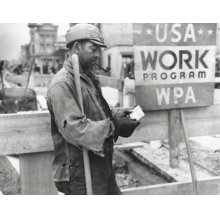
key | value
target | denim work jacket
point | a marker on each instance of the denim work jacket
(75, 130)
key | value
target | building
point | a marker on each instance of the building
(25, 54)
(61, 51)
(46, 48)
(42, 45)
(119, 53)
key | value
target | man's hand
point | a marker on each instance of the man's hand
(120, 113)
(125, 126)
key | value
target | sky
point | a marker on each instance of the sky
(13, 35)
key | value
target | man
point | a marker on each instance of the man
(95, 131)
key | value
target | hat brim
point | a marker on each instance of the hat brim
(100, 44)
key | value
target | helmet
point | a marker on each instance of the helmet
(84, 32)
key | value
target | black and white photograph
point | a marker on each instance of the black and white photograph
(110, 109)
(108, 113)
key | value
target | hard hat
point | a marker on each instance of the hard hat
(84, 32)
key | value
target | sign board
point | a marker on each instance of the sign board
(174, 65)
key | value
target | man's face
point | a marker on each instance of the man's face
(88, 54)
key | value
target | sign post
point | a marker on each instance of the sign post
(175, 69)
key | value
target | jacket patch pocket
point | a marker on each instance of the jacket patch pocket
(63, 173)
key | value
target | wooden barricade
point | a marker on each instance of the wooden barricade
(44, 80)
(28, 135)
(205, 187)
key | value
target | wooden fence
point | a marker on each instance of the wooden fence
(28, 135)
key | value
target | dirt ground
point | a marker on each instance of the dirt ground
(9, 178)
(130, 172)
(207, 157)
(205, 152)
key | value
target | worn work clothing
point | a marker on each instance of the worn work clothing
(71, 128)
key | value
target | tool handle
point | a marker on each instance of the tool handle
(88, 178)
(75, 62)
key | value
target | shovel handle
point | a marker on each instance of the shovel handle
(75, 62)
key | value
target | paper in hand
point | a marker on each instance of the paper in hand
(137, 113)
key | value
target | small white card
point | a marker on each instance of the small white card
(137, 113)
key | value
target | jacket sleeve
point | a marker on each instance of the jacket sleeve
(75, 127)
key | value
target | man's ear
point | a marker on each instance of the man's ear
(77, 46)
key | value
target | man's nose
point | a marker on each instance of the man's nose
(97, 54)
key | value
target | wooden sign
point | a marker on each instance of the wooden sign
(174, 65)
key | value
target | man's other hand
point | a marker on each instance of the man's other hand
(125, 126)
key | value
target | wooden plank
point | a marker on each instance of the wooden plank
(174, 136)
(120, 98)
(39, 80)
(17, 79)
(36, 174)
(205, 187)
(25, 133)
(41, 91)
(112, 82)
(129, 146)
(189, 153)
(105, 81)
(30, 132)
(201, 121)
(19, 92)
(9, 178)
(42, 80)
(131, 100)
